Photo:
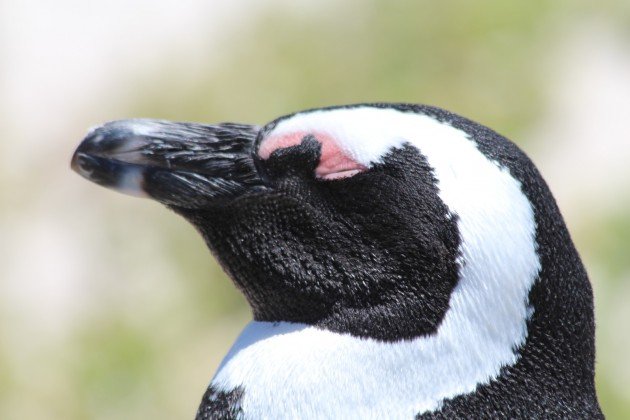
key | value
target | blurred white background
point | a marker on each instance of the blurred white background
(110, 307)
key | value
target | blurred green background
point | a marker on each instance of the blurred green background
(111, 307)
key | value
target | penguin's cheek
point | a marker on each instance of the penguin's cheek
(334, 162)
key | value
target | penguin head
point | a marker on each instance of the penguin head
(347, 242)
(373, 220)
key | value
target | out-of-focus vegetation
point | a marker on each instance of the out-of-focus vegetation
(152, 313)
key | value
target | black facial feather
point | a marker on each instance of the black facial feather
(337, 254)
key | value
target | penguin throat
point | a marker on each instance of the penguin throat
(311, 372)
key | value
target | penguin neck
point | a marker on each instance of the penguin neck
(290, 366)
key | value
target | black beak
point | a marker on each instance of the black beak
(178, 164)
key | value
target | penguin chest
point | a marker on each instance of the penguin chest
(284, 370)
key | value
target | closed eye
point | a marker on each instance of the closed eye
(334, 162)
(337, 166)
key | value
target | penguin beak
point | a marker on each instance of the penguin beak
(178, 164)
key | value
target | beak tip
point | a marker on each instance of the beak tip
(74, 162)
(82, 152)
(78, 163)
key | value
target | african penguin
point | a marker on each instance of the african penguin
(400, 262)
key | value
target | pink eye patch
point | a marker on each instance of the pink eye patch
(334, 162)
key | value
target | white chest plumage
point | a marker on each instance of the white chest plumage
(298, 371)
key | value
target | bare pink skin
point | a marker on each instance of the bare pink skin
(334, 162)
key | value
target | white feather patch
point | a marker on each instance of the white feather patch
(298, 371)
